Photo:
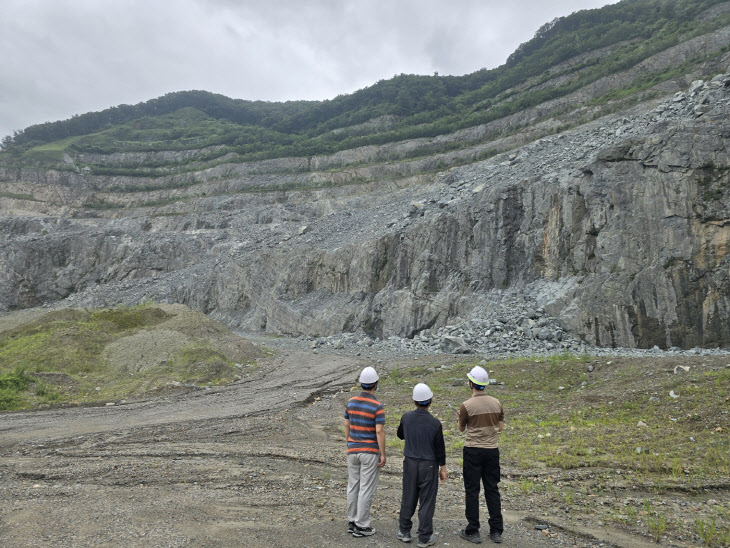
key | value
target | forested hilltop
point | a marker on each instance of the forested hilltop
(566, 54)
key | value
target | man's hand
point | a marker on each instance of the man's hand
(442, 473)
(380, 434)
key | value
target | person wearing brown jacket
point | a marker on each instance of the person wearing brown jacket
(482, 417)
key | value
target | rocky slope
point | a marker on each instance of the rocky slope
(617, 230)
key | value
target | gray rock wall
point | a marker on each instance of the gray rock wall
(619, 228)
(636, 238)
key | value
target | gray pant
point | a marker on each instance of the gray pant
(420, 484)
(363, 475)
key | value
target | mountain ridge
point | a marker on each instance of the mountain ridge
(611, 30)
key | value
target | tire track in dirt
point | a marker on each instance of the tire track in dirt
(289, 380)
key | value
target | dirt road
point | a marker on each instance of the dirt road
(292, 378)
(258, 463)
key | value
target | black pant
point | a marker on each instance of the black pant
(482, 465)
(420, 483)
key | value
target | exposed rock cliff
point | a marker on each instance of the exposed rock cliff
(620, 228)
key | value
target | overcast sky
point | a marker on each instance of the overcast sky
(65, 57)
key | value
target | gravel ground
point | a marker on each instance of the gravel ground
(258, 463)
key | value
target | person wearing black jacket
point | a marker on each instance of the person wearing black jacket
(423, 464)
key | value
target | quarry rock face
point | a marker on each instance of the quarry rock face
(619, 229)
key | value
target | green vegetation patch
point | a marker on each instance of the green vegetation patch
(12, 385)
(28, 197)
(101, 205)
(615, 440)
(661, 427)
(84, 356)
(610, 40)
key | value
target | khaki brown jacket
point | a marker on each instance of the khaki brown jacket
(481, 415)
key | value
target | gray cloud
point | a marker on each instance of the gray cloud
(68, 57)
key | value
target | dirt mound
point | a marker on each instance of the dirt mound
(145, 350)
(90, 355)
(180, 337)
(199, 327)
(56, 379)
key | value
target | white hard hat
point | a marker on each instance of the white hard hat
(478, 376)
(368, 376)
(421, 392)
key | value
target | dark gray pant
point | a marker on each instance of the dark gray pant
(420, 484)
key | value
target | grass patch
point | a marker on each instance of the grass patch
(165, 201)
(64, 356)
(101, 205)
(610, 425)
(14, 386)
(71, 341)
(27, 197)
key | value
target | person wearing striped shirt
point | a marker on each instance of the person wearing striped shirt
(365, 433)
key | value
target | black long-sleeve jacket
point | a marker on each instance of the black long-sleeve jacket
(424, 436)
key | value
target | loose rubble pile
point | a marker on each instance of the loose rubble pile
(442, 342)
(515, 327)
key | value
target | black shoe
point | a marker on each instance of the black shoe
(363, 531)
(405, 536)
(350, 527)
(472, 537)
(496, 537)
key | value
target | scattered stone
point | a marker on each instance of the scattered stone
(455, 345)
(696, 85)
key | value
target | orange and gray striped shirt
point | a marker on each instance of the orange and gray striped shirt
(364, 412)
(481, 415)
